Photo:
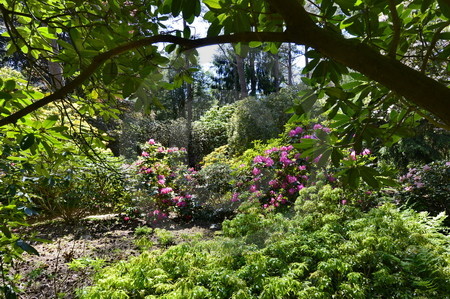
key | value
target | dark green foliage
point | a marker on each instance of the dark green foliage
(138, 128)
(325, 250)
(427, 145)
(427, 188)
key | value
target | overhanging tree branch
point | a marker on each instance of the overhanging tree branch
(416, 87)
(98, 60)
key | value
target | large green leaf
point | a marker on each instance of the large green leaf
(26, 247)
(27, 141)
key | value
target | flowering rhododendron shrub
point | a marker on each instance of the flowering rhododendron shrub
(275, 176)
(160, 170)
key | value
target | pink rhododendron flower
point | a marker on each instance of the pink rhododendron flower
(344, 202)
(145, 154)
(181, 204)
(302, 167)
(326, 130)
(161, 182)
(353, 155)
(126, 218)
(166, 190)
(151, 142)
(253, 188)
(426, 167)
(161, 177)
(366, 151)
(419, 184)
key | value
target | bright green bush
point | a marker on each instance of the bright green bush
(210, 131)
(251, 121)
(325, 250)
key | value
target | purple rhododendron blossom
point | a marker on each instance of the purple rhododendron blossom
(253, 188)
(292, 191)
(317, 127)
(426, 167)
(273, 183)
(235, 197)
(256, 171)
(309, 137)
(295, 132)
(316, 160)
(284, 159)
(269, 162)
(291, 179)
(258, 159)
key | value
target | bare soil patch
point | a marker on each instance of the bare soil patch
(105, 237)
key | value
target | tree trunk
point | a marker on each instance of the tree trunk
(251, 57)
(276, 72)
(289, 64)
(55, 70)
(241, 75)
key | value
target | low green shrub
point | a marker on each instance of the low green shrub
(324, 250)
(78, 187)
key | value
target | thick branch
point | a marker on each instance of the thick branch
(101, 58)
(396, 29)
(414, 86)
